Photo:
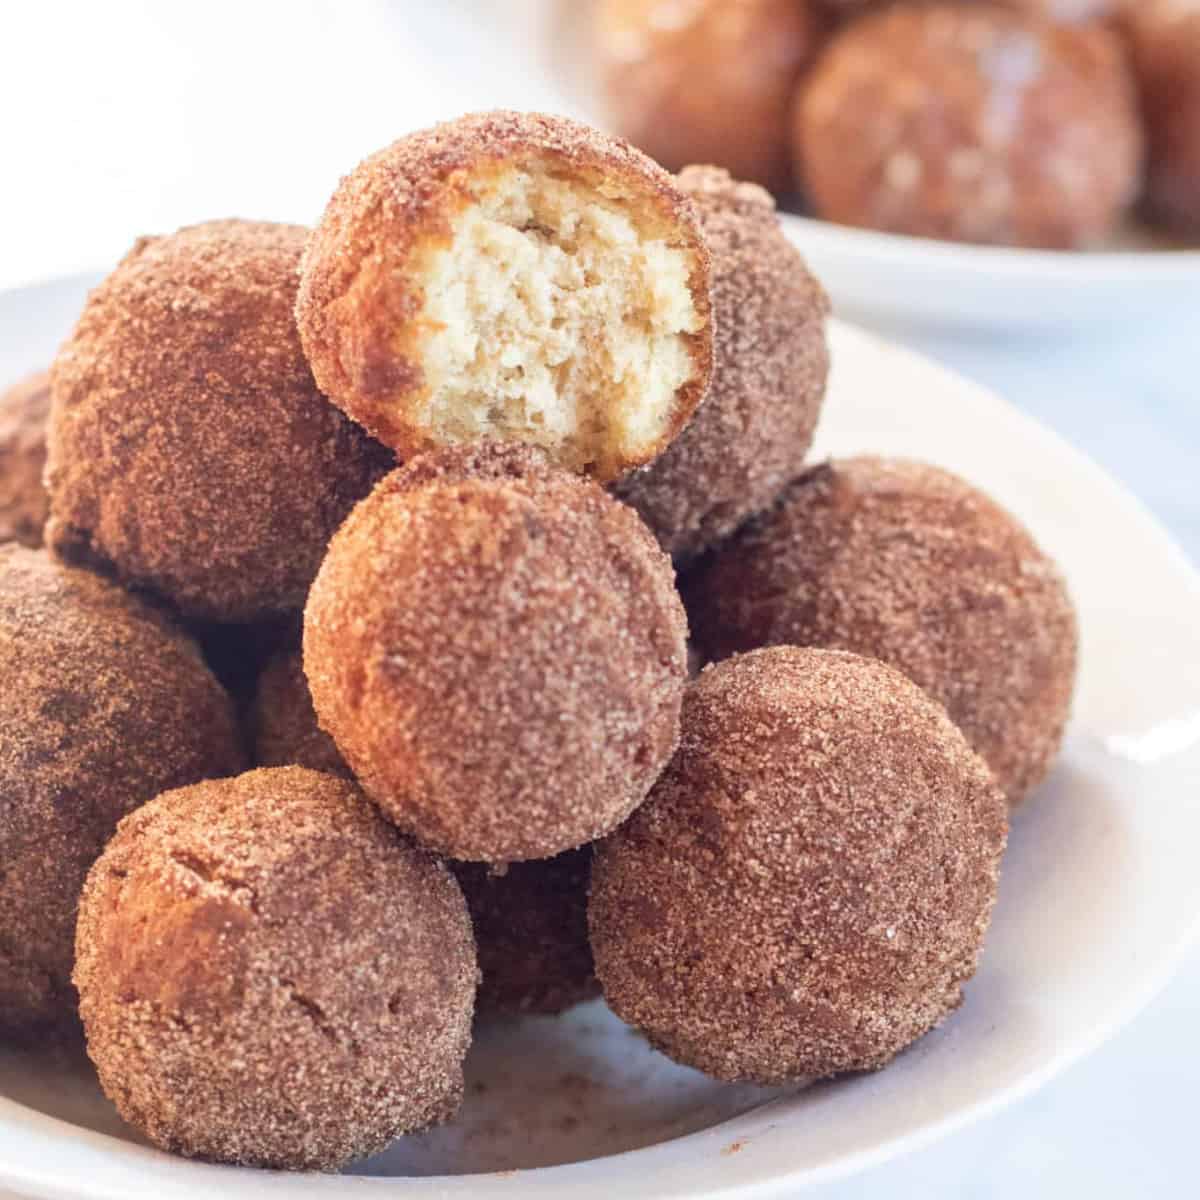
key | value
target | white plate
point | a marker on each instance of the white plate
(888, 279)
(1099, 899)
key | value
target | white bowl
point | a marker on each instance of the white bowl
(1099, 899)
(906, 282)
(888, 279)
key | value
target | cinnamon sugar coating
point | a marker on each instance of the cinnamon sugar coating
(808, 886)
(499, 660)
(971, 123)
(530, 923)
(770, 364)
(710, 81)
(907, 563)
(190, 451)
(24, 409)
(1165, 38)
(104, 704)
(371, 272)
(269, 975)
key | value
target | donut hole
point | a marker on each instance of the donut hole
(559, 315)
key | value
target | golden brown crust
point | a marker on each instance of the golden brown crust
(499, 660)
(269, 975)
(907, 563)
(24, 409)
(1165, 38)
(190, 450)
(104, 704)
(971, 123)
(809, 884)
(530, 923)
(360, 286)
(770, 362)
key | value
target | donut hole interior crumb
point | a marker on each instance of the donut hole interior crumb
(554, 317)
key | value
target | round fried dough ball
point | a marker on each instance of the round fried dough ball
(270, 975)
(530, 922)
(770, 363)
(190, 450)
(907, 563)
(283, 724)
(24, 409)
(808, 886)
(529, 918)
(104, 704)
(1068, 12)
(707, 81)
(973, 124)
(511, 277)
(1165, 36)
(500, 660)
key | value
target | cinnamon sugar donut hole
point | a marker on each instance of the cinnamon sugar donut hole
(529, 919)
(269, 975)
(770, 364)
(1067, 12)
(511, 277)
(283, 726)
(971, 124)
(530, 922)
(808, 886)
(104, 704)
(190, 451)
(709, 81)
(908, 563)
(1165, 38)
(24, 410)
(500, 660)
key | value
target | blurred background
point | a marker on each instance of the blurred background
(131, 117)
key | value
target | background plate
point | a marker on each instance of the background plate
(1098, 903)
(883, 278)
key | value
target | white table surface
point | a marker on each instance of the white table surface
(126, 117)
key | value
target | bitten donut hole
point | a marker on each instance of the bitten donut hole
(554, 317)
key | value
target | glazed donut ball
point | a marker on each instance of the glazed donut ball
(24, 409)
(972, 124)
(907, 563)
(530, 919)
(1165, 36)
(707, 81)
(104, 704)
(269, 975)
(770, 363)
(530, 922)
(511, 277)
(500, 661)
(190, 451)
(808, 886)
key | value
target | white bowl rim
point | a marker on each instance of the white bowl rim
(1015, 262)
